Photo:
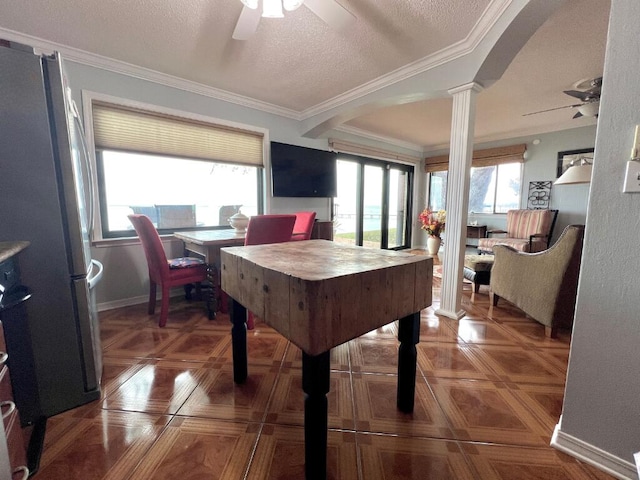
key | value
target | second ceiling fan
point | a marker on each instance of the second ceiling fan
(330, 11)
(588, 93)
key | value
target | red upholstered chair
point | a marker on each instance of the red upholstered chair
(166, 273)
(303, 226)
(264, 229)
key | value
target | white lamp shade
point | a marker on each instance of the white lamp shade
(575, 174)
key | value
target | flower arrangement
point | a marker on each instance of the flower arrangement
(433, 222)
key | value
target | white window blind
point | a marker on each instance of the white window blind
(481, 158)
(343, 146)
(126, 129)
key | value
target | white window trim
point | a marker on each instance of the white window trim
(88, 97)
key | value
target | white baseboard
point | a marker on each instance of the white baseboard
(592, 455)
(124, 302)
(127, 302)
(453, 315)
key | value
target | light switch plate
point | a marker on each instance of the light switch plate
(635, 151)
(632, 177)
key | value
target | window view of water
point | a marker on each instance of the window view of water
(186, 192)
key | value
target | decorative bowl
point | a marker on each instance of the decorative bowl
(239, 222)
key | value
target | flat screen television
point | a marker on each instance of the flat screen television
(302, 172)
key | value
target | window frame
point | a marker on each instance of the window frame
(495, 191)
(97, 234)
(116, 234)
(385, 165)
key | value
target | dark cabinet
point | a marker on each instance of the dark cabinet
(19, 403)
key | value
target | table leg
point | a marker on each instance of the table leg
(409, 336)
(238, 316)
(212, 277)
(315, 384)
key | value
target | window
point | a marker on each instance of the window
(176, 193)
(492, 189)
(373, 204)
(496, 176)
(184, 173)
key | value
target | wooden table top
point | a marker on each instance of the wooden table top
(320, 294)
(211, 237)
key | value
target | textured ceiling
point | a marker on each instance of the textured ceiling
(299, 62)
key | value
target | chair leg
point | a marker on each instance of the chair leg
(251, 323)
(164, 306)
(494, 299)
(550, 332)
(152, 297)
(187, 291)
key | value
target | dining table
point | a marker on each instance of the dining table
(319, 294)
(207, 243)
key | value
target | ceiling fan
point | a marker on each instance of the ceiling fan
(588, 91)
(330, 11)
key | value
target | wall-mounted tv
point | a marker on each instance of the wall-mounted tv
(302, 172)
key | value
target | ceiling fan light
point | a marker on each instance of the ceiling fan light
(589, 109)
(291, 5)
(252, 4)
(272, 9)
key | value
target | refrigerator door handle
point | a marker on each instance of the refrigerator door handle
(93, 280)
(88, 165)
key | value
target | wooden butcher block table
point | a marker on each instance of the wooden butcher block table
(319, 294)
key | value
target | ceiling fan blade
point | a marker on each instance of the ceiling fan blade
(577, 115)
(331, 12)
(247, 23)
(552, 109)
(584, 96)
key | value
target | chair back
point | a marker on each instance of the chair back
(226, 212)
(303, 226)
(524, 223)
(264, 229)
(152, 246)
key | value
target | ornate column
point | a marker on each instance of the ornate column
(461, 151)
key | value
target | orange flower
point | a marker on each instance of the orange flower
(433, 222)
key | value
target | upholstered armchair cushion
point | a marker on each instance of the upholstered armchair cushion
(527, 231)
(543, 285)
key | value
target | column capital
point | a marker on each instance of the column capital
(476, 87)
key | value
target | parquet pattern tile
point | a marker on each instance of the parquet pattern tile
(489, 391)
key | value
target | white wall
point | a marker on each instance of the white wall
(601, 418)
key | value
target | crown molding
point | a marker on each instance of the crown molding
(142, 73)
(512, 134)
(358, 132)
(483, 26)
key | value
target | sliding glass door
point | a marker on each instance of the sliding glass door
(373, 205)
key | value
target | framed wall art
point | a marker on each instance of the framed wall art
(539, 195)
(567, 157)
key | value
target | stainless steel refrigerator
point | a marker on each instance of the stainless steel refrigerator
(45, 198)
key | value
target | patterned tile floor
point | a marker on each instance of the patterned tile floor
(489, 392)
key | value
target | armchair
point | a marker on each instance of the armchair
(543, 285)
(527, 231)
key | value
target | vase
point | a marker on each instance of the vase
(433, 245)
(239, 222)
